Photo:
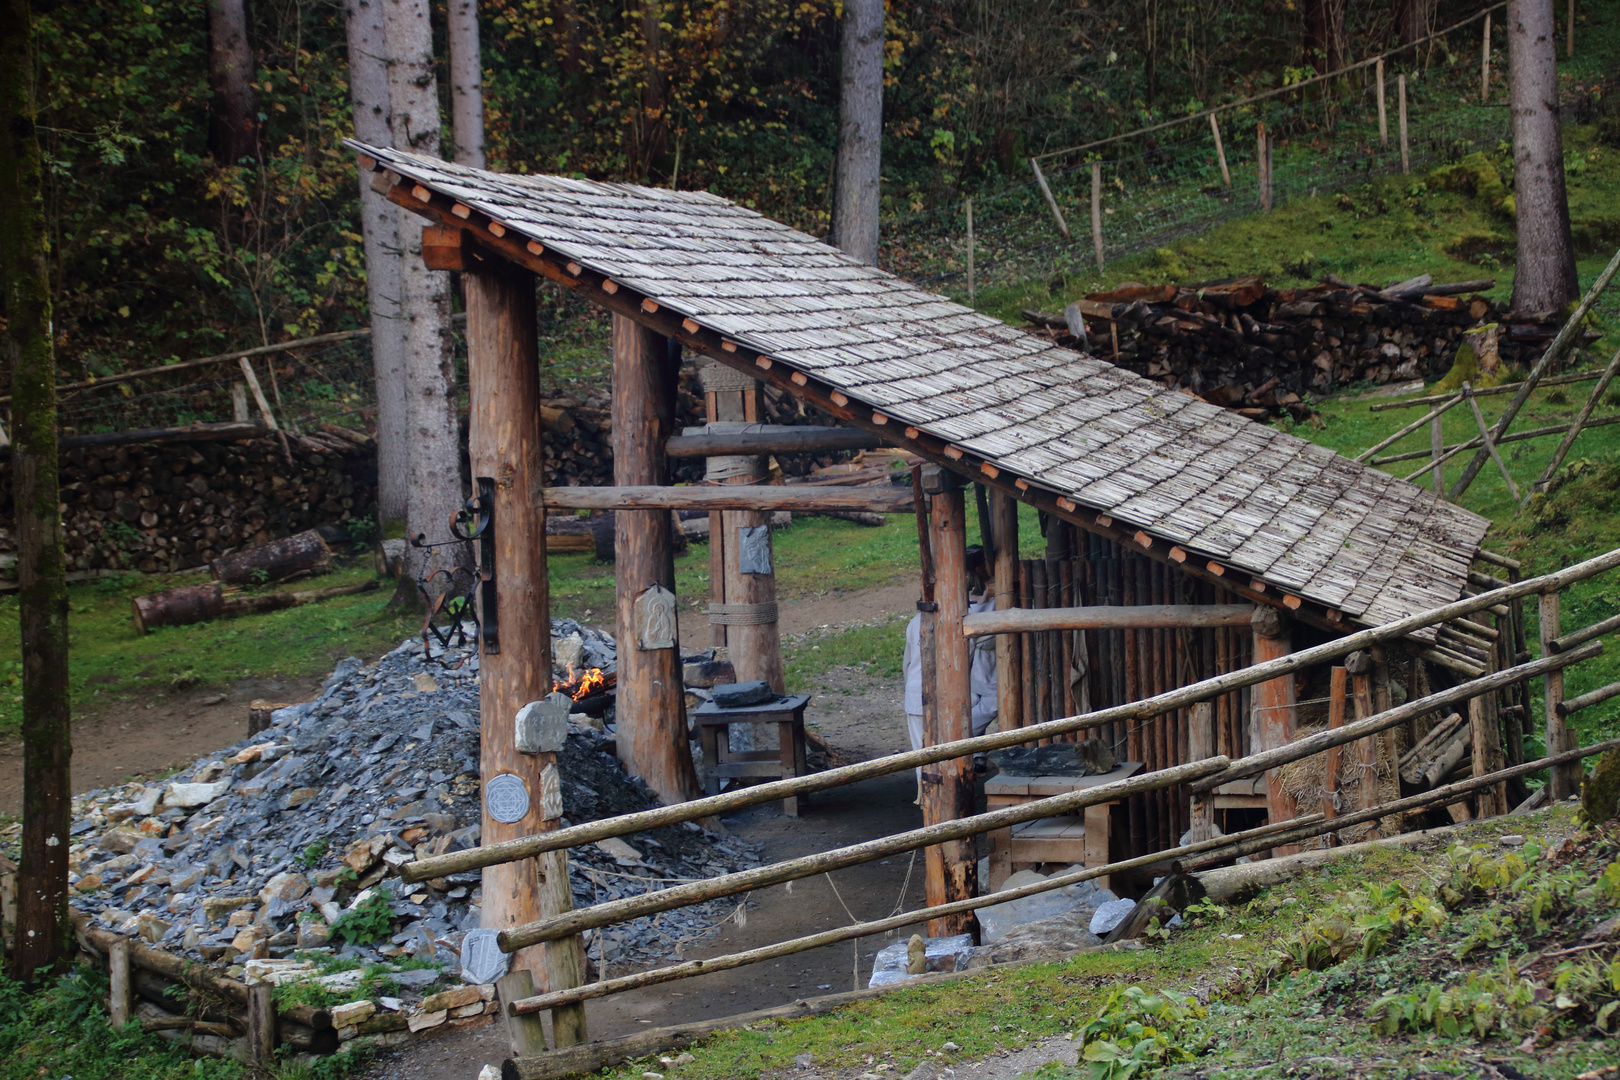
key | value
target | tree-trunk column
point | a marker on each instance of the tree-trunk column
(952, 869)
(1275, 708)
(1009, 670)
(505, 445)
(651, 714)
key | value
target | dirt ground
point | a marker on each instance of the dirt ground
(130, 741)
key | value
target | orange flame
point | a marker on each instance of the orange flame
(581, 685)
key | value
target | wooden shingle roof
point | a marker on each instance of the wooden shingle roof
(1293, 514)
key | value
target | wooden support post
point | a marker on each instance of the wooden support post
(1365, 759)
(1333, 760)
(1565, 780)
(1400, 107)
(1383, 113)
(970, 251)
(951, 867)
(1200, 745)
(1051, 203)
(119, 1001)
(261, 1024)
(1096, 212)
(1485, 732)
(525, 1034)
(1437, 446)
(1490, 443)
(1274, 707)
(652, 738)
(1009, 653)
(1485, 61)
(505, 445)
(1220, 150)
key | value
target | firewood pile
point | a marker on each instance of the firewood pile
(176, 505)
(1261, 351)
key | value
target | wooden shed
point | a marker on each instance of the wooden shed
(1162, 505)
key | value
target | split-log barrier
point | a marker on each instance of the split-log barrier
(527, 847)
(802, 497)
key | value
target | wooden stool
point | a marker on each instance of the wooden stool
(720, 761)
(1072, 838)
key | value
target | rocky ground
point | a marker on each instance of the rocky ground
(289, 841)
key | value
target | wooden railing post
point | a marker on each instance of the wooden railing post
(1365, 760)
(1220, 151)
(1200, 745)
(1565, 780)
(1383, 112)
(1485, 61)
(118, 1001)
(1096, 212)
(1333, 760)
(1009, 653)
(951, 867)
(1274, 704)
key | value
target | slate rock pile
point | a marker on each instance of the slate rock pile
(291, 840)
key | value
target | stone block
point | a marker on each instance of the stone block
(453, 998)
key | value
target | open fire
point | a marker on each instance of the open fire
(581, 684)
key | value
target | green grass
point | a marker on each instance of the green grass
(114, 666)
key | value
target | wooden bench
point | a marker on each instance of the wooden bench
(1070, 838)
(721, 762)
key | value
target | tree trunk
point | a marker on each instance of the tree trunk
(278, 560)
(1324, 35)
(44, 936)
(650, 133)
(1412, 18)
(233, 112)
(368, 95)
(652, 739)
(434, 487)
(568, 52)
(860, 132)
(1545, 279)
(466, 83)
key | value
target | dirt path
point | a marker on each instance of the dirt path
(129, 741)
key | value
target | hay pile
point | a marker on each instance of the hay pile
(1306, 780)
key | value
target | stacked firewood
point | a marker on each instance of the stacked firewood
(175, 505)
(1243, 345)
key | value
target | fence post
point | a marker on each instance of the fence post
(1096, 212)
(1360, 666)
(1220, 151)
(1383, 113)
(1333, 764)
(1200, 745)
(1564, 780)
(1400, 104)
(1274, 704)
(118, 1001)
(1262, 165)
(970, 251)
(261, 1025)
(1485, 62)
(1437, 447)
(1040, 178)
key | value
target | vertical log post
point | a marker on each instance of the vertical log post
(1220, 150)
(970, 251)
(1485, 62)
(1260, 157)
(951, 868)
(525, 1034)
(1400, 106)
(1009, 665)
(1333, 760)
(1201, 745)
(1274, 704)
(1365, 759)
(261, 1018)
(1565, 780)
(1383, 112)
(504, 444)
(118, 999)
(652, 737)
(1096, 212)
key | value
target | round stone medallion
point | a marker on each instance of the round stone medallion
(507, 798)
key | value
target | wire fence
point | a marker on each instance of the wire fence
(1158, 186)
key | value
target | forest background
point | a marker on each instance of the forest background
(162, 250)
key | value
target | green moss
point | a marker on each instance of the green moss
(1600, 794)
(1473, 175)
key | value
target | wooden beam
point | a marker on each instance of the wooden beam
(1009, 648)
(772, 439)
(1275, 710)
(1141, 617)
(947, 789)
(652, 740)
(1565, 781)
(505, 444)
(810, 499)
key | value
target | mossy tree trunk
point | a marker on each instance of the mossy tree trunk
(44, 935)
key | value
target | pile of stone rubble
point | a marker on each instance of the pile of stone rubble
(283, 844)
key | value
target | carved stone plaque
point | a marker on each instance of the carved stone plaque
(507, 798)
(551, 807)
(481, 958)
(655, 619)
(542, 726)
(754, 549)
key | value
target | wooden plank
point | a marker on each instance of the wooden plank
(1107, 618)
(810, 499)
(772, 439)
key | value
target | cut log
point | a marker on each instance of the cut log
(202, 603)
(890, 500)
(301, 553)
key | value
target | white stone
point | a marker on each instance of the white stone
(190, 796)
(1109, 915)
(542, 726)
(286, 885)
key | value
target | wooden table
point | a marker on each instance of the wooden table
(721, 762)
(1070, 838)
